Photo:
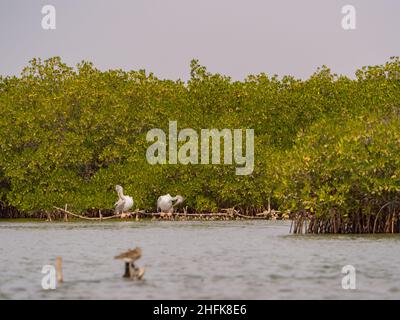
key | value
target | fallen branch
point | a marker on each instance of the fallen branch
(159, 214)
(95, 218)
(249, 217)
(228, 213)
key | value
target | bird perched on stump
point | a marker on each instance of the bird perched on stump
(129, 257)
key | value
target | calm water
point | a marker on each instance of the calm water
(195, 260)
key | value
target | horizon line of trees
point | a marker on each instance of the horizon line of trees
(327, 145)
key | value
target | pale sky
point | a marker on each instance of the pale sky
(232, 37)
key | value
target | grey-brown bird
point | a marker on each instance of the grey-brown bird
(131, 255)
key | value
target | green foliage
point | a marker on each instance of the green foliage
(68, 135)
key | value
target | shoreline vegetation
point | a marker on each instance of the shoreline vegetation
(327, 148)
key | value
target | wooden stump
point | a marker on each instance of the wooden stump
(133, 272)
(59, 270)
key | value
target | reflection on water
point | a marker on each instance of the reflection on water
(195, 260)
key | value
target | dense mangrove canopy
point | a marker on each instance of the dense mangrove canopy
(328, 146)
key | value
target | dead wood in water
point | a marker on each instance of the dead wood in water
(59, 273)
(99, 218)
(226, 214)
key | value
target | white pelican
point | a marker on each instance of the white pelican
(165, 203)
(124, 203)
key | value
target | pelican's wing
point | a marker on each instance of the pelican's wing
(164, 203)
(159, 203)
(119, 206)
